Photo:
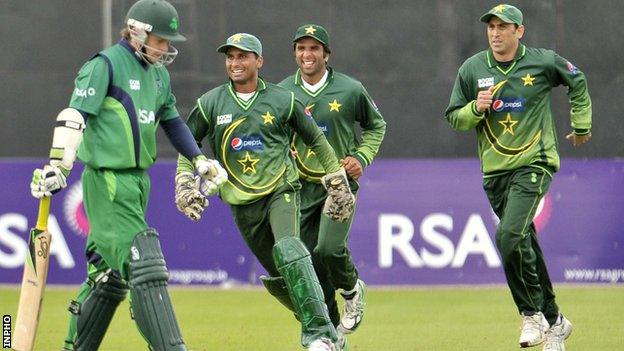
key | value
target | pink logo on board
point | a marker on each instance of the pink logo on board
(73, 210)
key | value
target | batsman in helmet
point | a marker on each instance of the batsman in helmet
(121, 95)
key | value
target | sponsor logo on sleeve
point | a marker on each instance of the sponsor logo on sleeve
(508, 104)
(84, 93)
(572, 68)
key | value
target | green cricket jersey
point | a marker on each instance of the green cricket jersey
(251, 139)
(125, 100)
(336, 107)
(518, 129)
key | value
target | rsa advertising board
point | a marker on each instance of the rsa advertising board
(417, 222)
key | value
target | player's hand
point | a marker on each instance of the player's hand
(484, 99)
(47, 181)
(210, 170)
(340, 202)
(352, 166)
(189, 200)
(578, 140)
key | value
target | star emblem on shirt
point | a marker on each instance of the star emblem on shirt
(268, 118)
(508, 124)
(310, 30)
(236, 38)
(334, 106)
(499, 8)
(248, 163)
(528, 80)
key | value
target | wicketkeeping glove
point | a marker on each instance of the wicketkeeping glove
(340, 202)
(47, 181)
(189, 200)
(210, 170)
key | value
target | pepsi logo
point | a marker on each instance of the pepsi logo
(237, 143)
(498, 105)
(251, 142)
(509, 104)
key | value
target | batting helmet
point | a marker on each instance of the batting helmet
(156, 17)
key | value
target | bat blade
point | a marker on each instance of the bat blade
(33, 281)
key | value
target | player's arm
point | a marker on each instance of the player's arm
(373, 132)
(312, 136)
(340, 201)
(198, 128)
(50, 179)
(176, 130)
(581, 107)
(90, 89)
(464, 112)
(190, 190)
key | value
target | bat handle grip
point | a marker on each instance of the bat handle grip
(44, 211)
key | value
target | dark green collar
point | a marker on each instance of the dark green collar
(261, 85)
(245, 105)
(491, 61)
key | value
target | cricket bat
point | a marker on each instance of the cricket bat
(33, 282)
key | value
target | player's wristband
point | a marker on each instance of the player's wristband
(473, 107)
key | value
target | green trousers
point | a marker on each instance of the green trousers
(267, 220)
(270, 227)
(327, 241)
(514, 197)
(115, 203)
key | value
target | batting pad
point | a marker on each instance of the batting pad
(150, 301)
(94, 314)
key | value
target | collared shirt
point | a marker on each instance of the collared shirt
(518, 129)
(126, 99)
(251, 139)
(337, 107)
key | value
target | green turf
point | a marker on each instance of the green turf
(436, 319)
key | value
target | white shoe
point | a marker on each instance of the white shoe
(322, 344)
(533, 329)
(353, 310)
(553, 341)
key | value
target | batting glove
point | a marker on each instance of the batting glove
(340, 202)
(48, 181)
(189, 200)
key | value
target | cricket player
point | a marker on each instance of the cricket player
(338, 103)
(121, 95)
(504, 93)
(248, 124)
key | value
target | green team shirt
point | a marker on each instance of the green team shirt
(251, 139)
(518, 129)
(125, 100)
(340, 103)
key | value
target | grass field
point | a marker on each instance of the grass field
(436, 319)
